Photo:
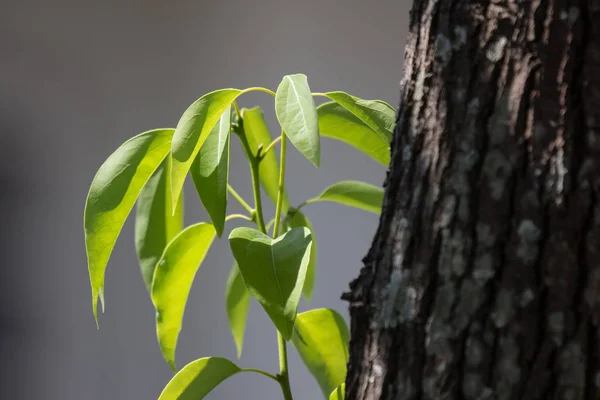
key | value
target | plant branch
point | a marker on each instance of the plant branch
(237, 110)
(281, 191)
(240, 199)
(269, 147)
(260, 371)
(283, 377)
(240, 216)
(254, 162)
(259, 89)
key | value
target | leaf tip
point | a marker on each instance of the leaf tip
(172, 365)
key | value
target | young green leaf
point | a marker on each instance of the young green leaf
(297, 115)
(198, 378)
(379, 116)
(299, 220)
(339, 393)
(258, 134)
(353, 194)
(112, 195)
(237, 300)
(155, 225)
(336, 122)
(210, 171)
(172, 281)
(274, 270)
(193, 129)
(321, 338)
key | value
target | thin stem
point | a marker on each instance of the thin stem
(239, 199)
(257, 200)
(254, 161)
(319, 95)
(259, 89)
(260, 371)
(269, 147)
(237, 109)
(284, 378)
(270, 224)
(280, 192)
(240, 216)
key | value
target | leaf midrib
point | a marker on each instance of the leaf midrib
(310, 138)
(272, 251)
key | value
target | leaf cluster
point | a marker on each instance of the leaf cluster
(277, 268)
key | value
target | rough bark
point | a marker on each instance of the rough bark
(483, 280)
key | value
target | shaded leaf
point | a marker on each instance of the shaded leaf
(155, 225)
(336, 122)
(113, 193)
(321, 338)
(172, 281)
(354, 194)
(339, 393)
(258, 134)
(237, 300)
(274, 270)
(210, 171)
(198, 378)
(193, 129)
(378, 115)
(297, 115)
(299, 220)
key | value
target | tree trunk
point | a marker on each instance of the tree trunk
(483, 280)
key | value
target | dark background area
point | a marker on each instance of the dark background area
(77, 79)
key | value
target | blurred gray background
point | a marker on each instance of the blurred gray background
(78, 78)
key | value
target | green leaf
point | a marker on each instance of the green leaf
(192, 130)
(237, 300)
(155, 225)
(336, 122)
(299, 220)
(198, 378)
(274, 270)
(339, 393)
(321, 338)
(172, 281)
(354, 194)
(378, 115)
(257, 133)
(297, 115)
(112, 195)
(210, 171)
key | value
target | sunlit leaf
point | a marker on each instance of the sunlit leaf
(113, 193)
(354, 194)
(155, 225)
(274, 270)
(299, 220)
(321, 338)
(258, 134)
(198, 378)
(378, 115)
(336, 122)
(172, 281)
(193, 129)
(210, 171)
(297, 115)
(339, 393)
(237, 300)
